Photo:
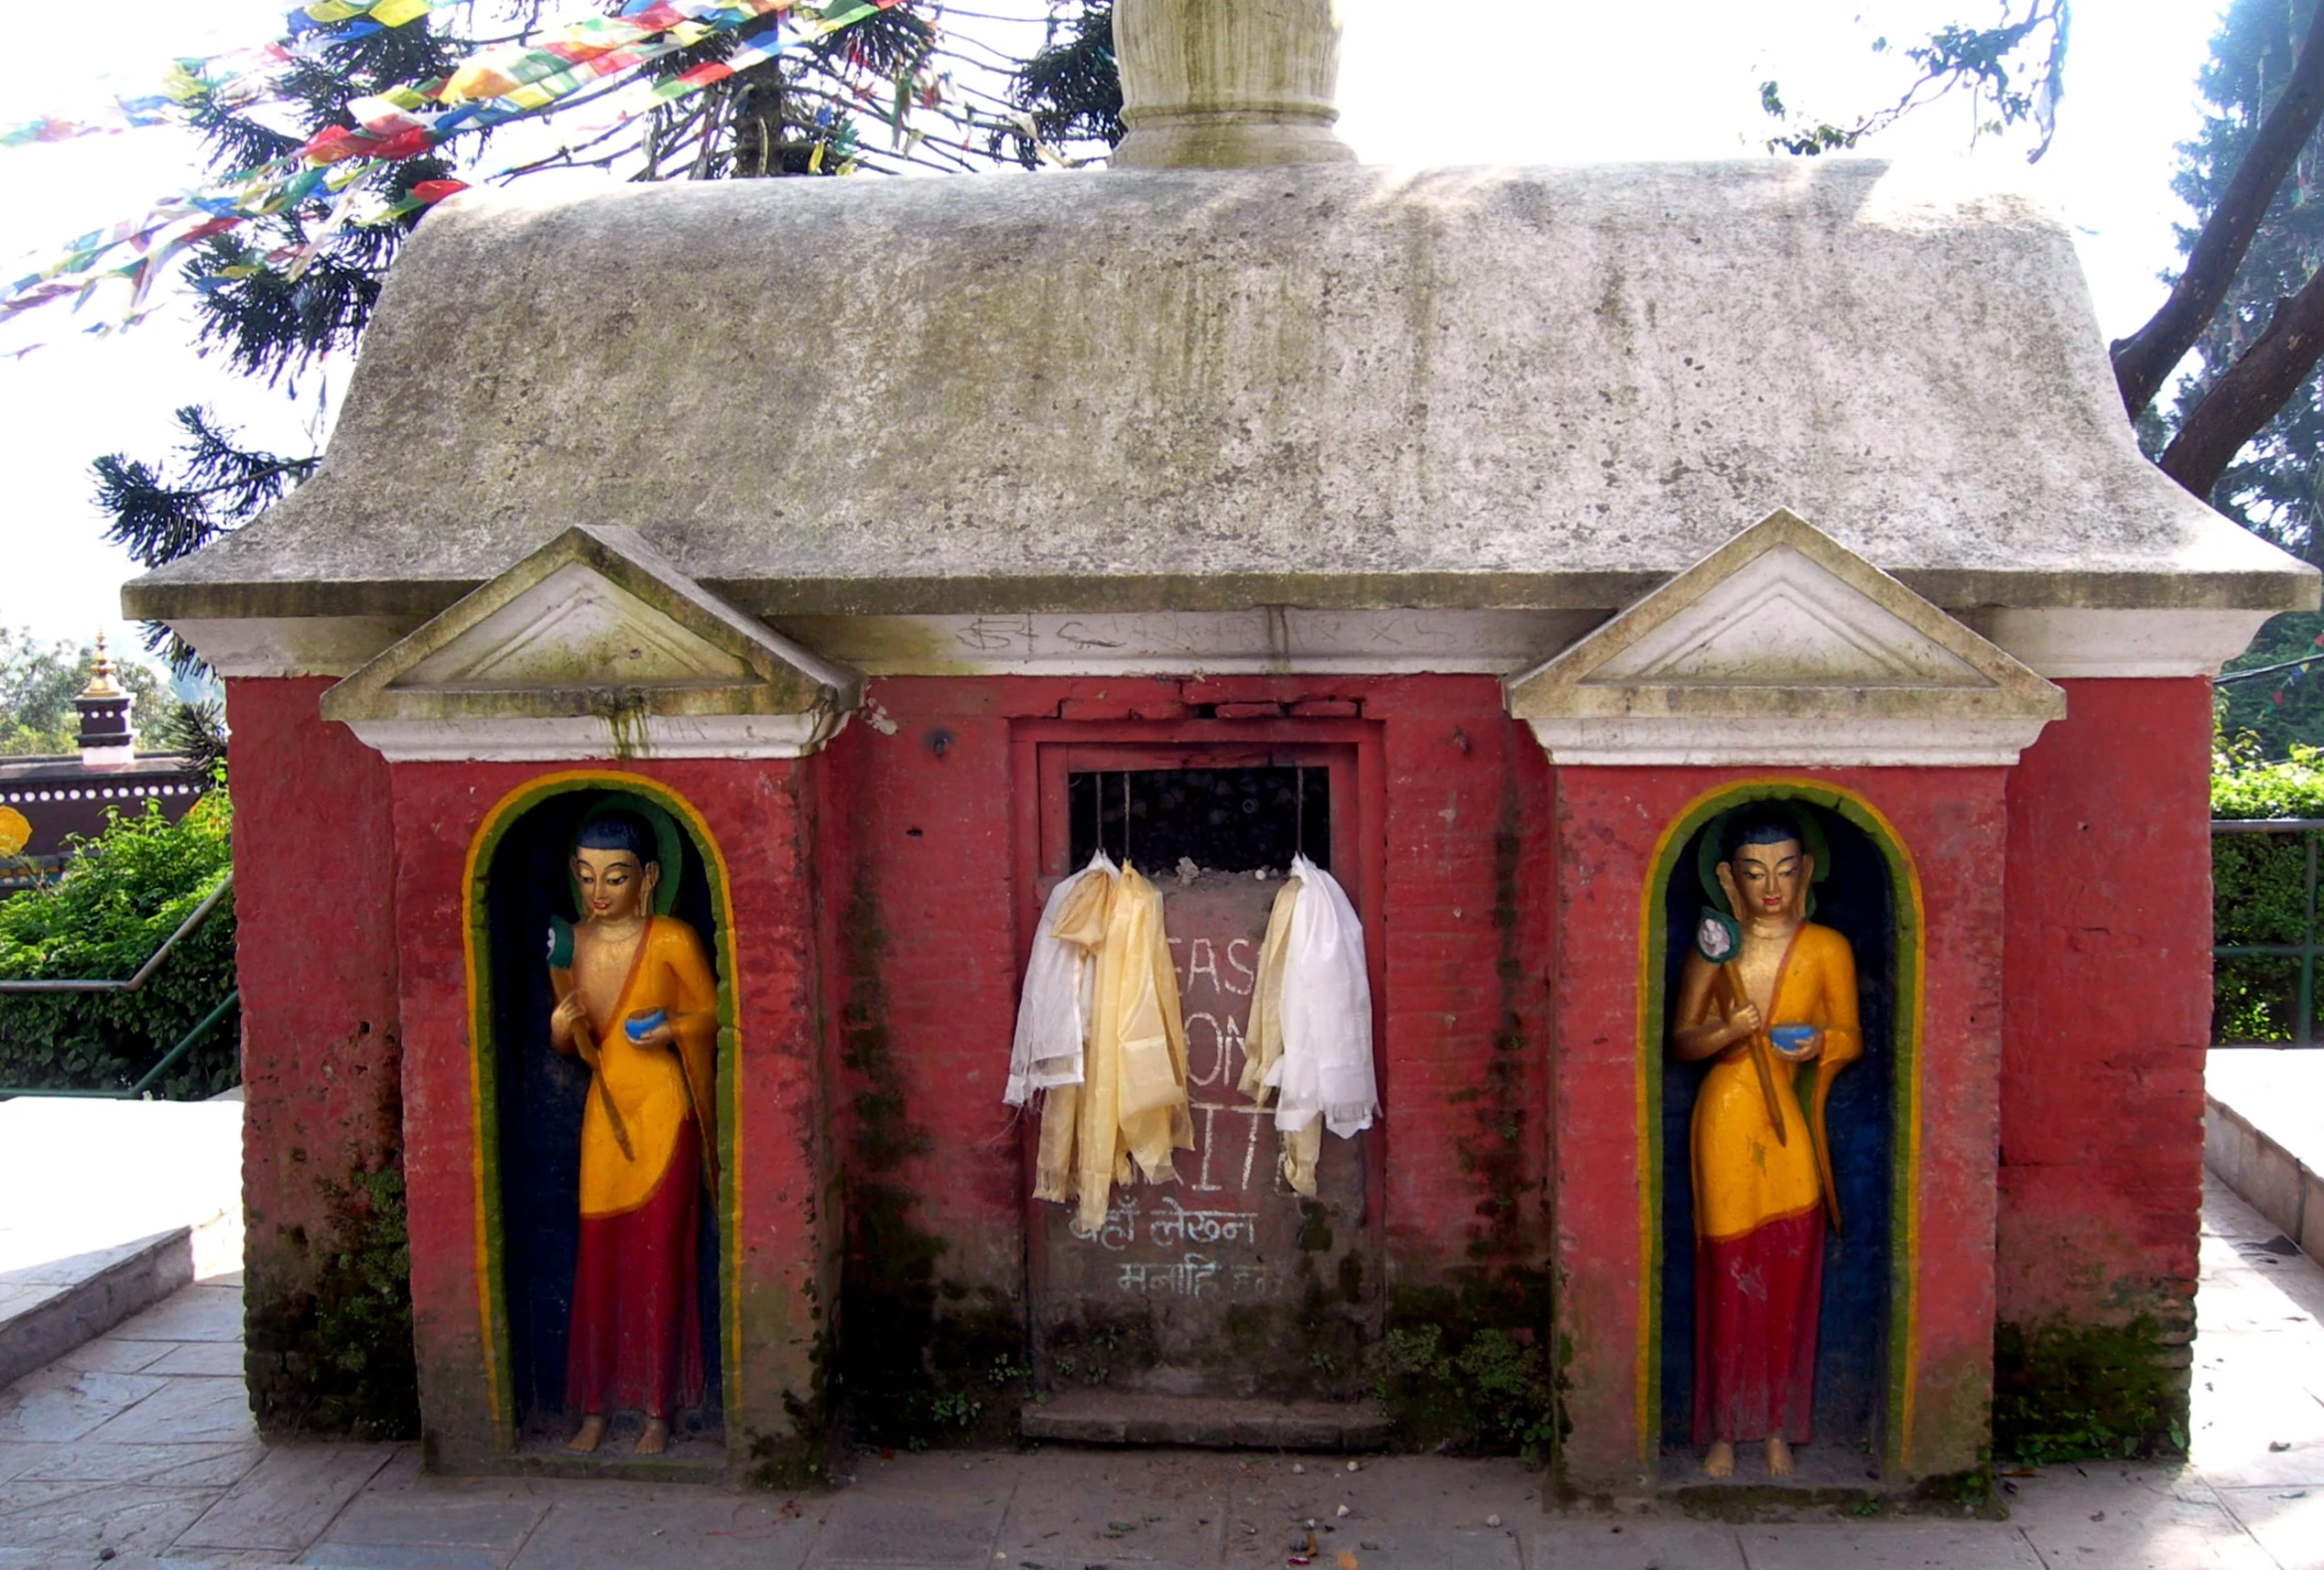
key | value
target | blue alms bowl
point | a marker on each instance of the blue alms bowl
(1793, 1037)
(638, 1025)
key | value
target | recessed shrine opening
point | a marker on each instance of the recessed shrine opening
(1226, 1283)
(1766, 1250)
(536, 1143)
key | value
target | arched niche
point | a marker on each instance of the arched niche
(1864, 1340)
(530, 1097)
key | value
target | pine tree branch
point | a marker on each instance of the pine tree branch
(2144, 360)
(2244, 400)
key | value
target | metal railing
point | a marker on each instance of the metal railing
(2303, 1020)
(135, 982)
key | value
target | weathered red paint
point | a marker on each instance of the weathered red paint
(313, 879)
(761, 817)
(1610, 820)
(924, 860)
(2107, 1008)
(878, 891)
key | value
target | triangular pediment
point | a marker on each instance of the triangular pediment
(596, 623)
(1783, 623)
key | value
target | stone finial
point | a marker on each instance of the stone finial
(1227, 84)
(106, 737)
(102, 682)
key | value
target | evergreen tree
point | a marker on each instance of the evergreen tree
(298, 286)
(2276, 485)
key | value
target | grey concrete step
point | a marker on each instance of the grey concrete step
(1108, 1417)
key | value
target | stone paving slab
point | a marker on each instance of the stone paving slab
(953, 1530)
(203, 1312)
(126, 1232)
(422, 1532)
(1394, 1548)
(59, 1405)
(52, 1525)
(679, 1528)
(2287, 1522)
(164, 1469)
(218, 1359)
(1887, 1545)
(200, 1465)
(183, 1411)
(289, 1500)
(1600, 1544)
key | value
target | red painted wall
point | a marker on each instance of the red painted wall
(2108, 1008)
(922, 860)
(1609, 820)
(875, 891)
(761, 815)
(313, 899)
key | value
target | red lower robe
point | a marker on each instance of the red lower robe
(636, 1340)
(1756, 1302)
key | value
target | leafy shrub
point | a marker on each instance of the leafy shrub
(2066, 1392)
(2259, 891)
(117, 901)
(1494, 1396)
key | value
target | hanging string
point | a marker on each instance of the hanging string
(1299, 809)
(1124, 817)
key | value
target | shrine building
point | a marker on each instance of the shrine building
(1485, 534)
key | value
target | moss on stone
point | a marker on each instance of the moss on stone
(2065, 1391)
(337, 1358)
(1462, 1369)
(921, 1360)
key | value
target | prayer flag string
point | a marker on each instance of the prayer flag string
(497, 85)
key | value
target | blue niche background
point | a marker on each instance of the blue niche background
(540, 1097)
(1851, 1357)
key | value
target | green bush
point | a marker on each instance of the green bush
(2066, 1392)
(1494, 1396)
(2259, 890)
(117, 902)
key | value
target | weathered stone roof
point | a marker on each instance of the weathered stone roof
(1327, 386)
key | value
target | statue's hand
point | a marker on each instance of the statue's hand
(659, 1038)
(570, 1021)
(1742, 1021)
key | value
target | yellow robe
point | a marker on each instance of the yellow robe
(1129, 1111)
(655, 1090)
(1744, 1176)
(1263, 1044)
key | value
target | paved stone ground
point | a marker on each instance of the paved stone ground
(139, 1446)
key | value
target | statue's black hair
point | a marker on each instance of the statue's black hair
(618, 831)
(1762, 825)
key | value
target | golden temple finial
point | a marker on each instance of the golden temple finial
(100, 678)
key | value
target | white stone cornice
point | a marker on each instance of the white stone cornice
(588, 739)
(2071, 643)
(273, 646)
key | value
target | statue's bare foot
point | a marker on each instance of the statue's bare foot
(656, 1438)
(586, 1438)
(1719, 1460)
(1778, 1457)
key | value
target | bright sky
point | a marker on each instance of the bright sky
(1538, 81)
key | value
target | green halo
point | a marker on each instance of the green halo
(1812, 839)
(669, 845)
